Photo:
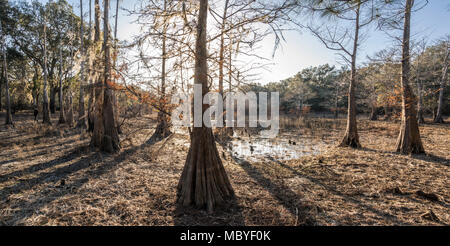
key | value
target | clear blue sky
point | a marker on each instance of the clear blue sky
(302, 50)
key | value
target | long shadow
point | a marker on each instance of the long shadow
(344, 196)
(423, 157)
(40, 166)
(49, 177)
(23, 209)
(433, 158)
(40, 153)
(289, 199)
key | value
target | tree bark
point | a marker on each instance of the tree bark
(45, 105)
(109, 141)
(439, 118)
(373, 113)
(81, 109)
(98, 129)
(409, 140)
(53, 99)
(91, 75)
(8, 118)
(351, 137)
(115, 101)
(229, 130)
(1, 90)
(204, 182)
(420, 118)
(62, 116)
(69, 117)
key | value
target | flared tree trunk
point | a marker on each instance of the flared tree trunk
(409, 140)
(438, 118)
(204, 182)
(351, 138)
(109, 139)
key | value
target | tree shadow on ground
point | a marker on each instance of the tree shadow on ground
(24, 209)
(346, 197)
(423, 157)
(304, 213)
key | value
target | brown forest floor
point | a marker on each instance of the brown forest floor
(49, 176)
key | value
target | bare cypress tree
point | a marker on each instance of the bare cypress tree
(111, 141)
(163, 127)
(98, 130)
(222, 47)
(409, 140)
(116, 104)
(45, 104)
(106, 138)
(438, 118)
(351, 137)
(422, 46)
(204, 182)
(336, 39)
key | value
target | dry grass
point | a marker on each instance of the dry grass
(48, 176)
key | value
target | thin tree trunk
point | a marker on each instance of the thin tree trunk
(222, 48)
(351, 138)
(81, 110)
(35, 86)
(1, 89)
(115, 101)
(229, 130)
(336, 101)
(163, 127)
(53, 90)
(409, 138)
(439, 118)
(62, 117)
(373, 113)
(226, 133)
(45, 105)
(69, 117)
(8, 118)
(204, 182)
(91, 75)
(420, 118)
